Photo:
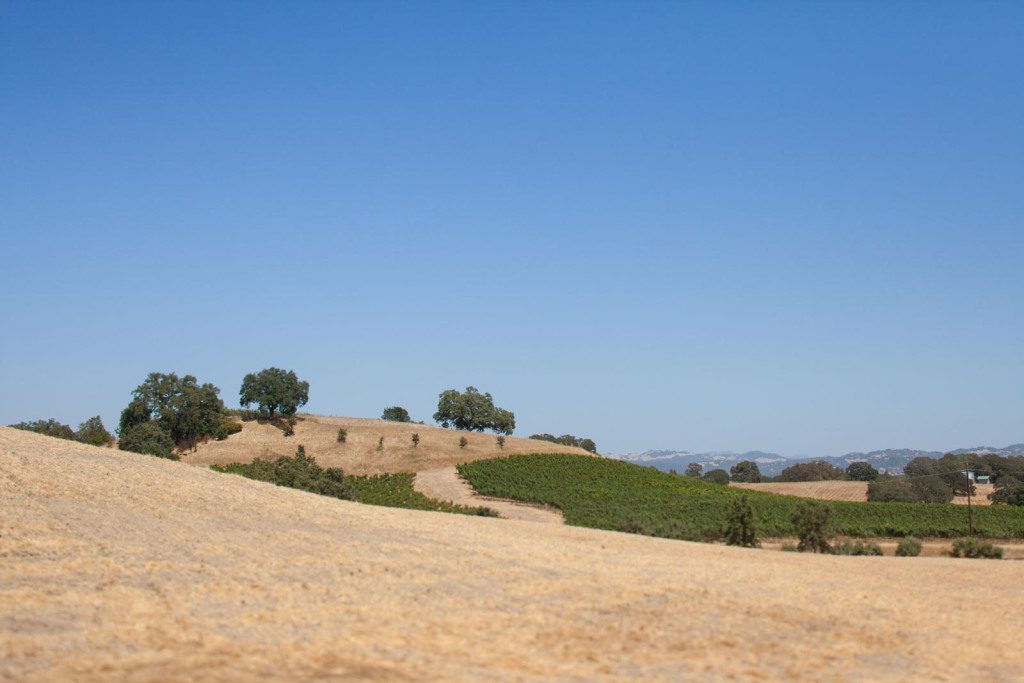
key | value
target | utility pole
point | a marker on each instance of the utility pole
(970, 512)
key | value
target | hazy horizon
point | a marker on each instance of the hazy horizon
(794, 228)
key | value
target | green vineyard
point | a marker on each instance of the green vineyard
(610, 494)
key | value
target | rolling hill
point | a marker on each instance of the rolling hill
(119, 566)
(438, 447)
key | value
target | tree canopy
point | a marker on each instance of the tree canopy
(472, 411)
(274, 390)
(818, 470)
(186, 410)
(396, 414)
(568, 440)
(49, 427)
(861, 471)
(746, 471)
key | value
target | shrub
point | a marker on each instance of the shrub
(813, 523)
(274, 390)
(94, 433)
(289, 426)
(717, 477)
(396, 414)
(342, 435)
(746, 471)
(847, 547)
(50, 427)
(788, 547)
(501, 442)
(462, 442)
(148, 438)
(908, 547)
(380, 444)
(415, 439)
(694, 470)
(226, 428)
(975, 549)
(298, 472)
(740, 529)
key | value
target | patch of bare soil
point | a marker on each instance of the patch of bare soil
(116, 566)
(446, 484)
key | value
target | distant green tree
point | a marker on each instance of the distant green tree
(188, 411)
(472, 411)
(148, 438)
(716, 477)
(694, 470)
(1009, 490)
(861, 471)
(740, 529)
(49, 427)
(396, 414)
(891, 491)
(746, 471)
(568, 440)
(415, 440)
(275, 391)
(588, 445)
(814, 528)
(93, 432)
(818, 470)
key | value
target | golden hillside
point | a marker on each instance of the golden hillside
(438, 447)
(119, 566)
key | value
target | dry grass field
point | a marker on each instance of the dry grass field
(824, 490)
(438, 447)
(118, 566)
(846, 490)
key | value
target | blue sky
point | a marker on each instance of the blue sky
(782, 226)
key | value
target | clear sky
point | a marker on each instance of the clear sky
(795, 227)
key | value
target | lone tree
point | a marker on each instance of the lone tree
(396, 414)
(186, 410)
(740, 529)
(275, 391)
(746, 472)
(716, 477)
(861, 471)
(472, 411)
(93, 432)
(813, 522)
(415, 439)
(694, 470)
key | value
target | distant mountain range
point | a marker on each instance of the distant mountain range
(891, 460)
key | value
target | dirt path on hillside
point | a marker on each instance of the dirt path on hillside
(446, 484)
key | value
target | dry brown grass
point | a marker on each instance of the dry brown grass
(846, 490)
(118, 566)
(359, 455)
(824, 490)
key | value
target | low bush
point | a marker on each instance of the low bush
(226, 428)
(501, 442)
(380, 444)
(908, 547)
(847, 547)
(463, 441)
(148, 438)
(342, 434)
(975, 549)
(298, 472)
(51, 427)
(415, 439)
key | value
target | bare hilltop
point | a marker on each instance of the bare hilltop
(117, 566)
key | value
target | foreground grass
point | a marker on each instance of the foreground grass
(389, 490)
(611, 494)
